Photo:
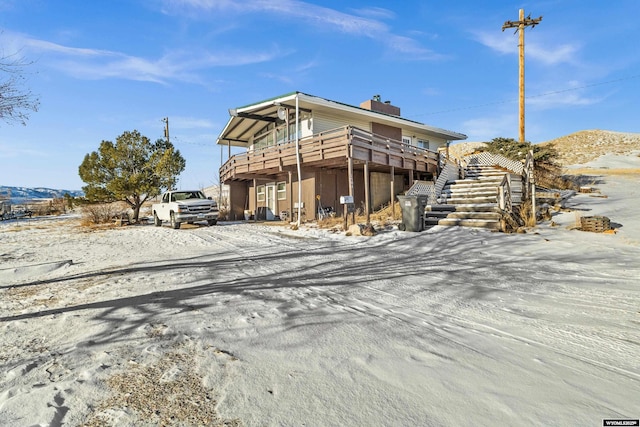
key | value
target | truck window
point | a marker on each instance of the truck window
(165, 198)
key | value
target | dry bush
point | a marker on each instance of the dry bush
(550, 176)
(385, 213)
(330, 222)
(223, 214)
(101, 213)
(525, 215)
(382, 216)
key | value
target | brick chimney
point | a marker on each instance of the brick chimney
(375, 104)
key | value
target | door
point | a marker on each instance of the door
(271, 201)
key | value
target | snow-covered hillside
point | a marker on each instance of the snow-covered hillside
(22, 194)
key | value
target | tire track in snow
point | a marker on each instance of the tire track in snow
(481, 320)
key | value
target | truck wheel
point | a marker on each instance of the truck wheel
(156, 221)
(174, 224)
(212, 222)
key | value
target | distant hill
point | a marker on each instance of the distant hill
(22, 194)
(577, 148)
(587, 145)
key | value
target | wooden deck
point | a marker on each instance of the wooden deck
(330, 149)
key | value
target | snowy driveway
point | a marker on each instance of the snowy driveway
(445, 327)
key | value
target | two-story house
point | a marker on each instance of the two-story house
(304, 152)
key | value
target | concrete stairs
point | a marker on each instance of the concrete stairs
(470, 202)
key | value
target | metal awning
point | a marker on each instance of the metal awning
(246, 121)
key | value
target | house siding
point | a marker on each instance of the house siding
(381, 188)
(387, 131)
(323, 122)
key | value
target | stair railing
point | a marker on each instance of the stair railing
(504, 194)
(528, 179)
(486, 158)
(450, 172)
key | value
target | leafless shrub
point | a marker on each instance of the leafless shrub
(58, 206)
(100, 213)
(550, 176)
(223, 214)
(330, 222)
(525, 214)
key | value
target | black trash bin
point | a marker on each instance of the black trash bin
(412, 212)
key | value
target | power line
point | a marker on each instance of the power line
(508, 101)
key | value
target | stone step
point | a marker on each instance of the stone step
(483, 207)
(484, 174)
(484, 168)
(471, 185)
(476, 180)
(463, 215)
(452, 222)
(472, 200)
(466, 194)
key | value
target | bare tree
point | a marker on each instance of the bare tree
(15, 101)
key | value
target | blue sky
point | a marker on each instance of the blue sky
(107, 66)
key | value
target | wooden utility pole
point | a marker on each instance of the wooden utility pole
(520, 26)
(166, 128)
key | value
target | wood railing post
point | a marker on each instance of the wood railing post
(393, 195)
(367, 209)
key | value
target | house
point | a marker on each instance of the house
(303, 153)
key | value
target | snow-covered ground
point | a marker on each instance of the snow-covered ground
(260, 325)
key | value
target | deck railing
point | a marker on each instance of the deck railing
(335, 143)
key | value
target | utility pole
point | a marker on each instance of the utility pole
(166, 128)
(520, 26)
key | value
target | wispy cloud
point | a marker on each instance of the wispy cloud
(564, 98)
(96, 64)
(375, 13)
(508, 44)
(483, 129)
(362, 23)
(9, 150)
(180, 122)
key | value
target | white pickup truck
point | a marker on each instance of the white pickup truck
(185, 206)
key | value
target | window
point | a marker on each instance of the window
(261, 193)
(406, 140)
(263, 141)
(423, 143)
(282, 191)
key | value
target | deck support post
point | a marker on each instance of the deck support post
(367, 208)
(297, 139)
(255, 200)
(350, 165)
(290, 196)
(393, 202)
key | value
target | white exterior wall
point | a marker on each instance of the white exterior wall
(324, 122)
(306, 127)
(434, 142)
